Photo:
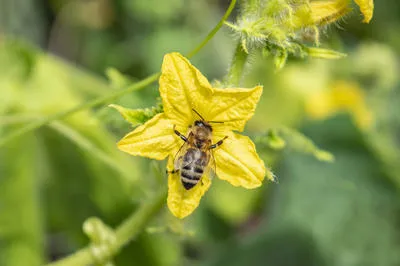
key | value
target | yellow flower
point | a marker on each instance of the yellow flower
(328, 11)
(342, 96)
(184, 89)
(366, 8)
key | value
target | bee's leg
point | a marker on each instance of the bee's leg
(180, 135)
(218, 143)
(172, 171)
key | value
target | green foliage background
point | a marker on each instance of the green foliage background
(56, 54)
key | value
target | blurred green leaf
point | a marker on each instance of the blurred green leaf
(233, 204)
(278, 138)
(21, 223)
(348, 206)
(146, 11)
(287, 246)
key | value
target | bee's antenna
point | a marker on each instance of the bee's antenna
(198, 114)
(202, 118)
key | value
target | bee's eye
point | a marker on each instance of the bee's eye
(198, 123)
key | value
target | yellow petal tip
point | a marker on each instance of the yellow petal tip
(366, 8)
(182, 202)
(173, 55)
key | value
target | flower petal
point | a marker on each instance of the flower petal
(367, 9)
(328, 11)
(182, 202)
(154, 139)
(182, 87)
(238, 163)
(233, 106)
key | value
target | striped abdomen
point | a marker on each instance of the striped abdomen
(193, 164)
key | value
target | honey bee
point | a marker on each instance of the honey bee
(195, 157)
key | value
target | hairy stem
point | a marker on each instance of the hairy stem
(235, 72)
(125, 232)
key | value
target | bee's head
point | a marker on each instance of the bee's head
(202, 124)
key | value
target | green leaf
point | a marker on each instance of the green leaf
(348, 206)
(137, 116)
(233, 204)
(21, 228)
(324, 53)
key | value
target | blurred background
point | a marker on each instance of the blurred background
(56, 54)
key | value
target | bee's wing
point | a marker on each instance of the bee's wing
(211, 168)
(179, 156)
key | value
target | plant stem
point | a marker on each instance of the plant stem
(71, 134)
(235, 72)
(214, 30)
(125, 232)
